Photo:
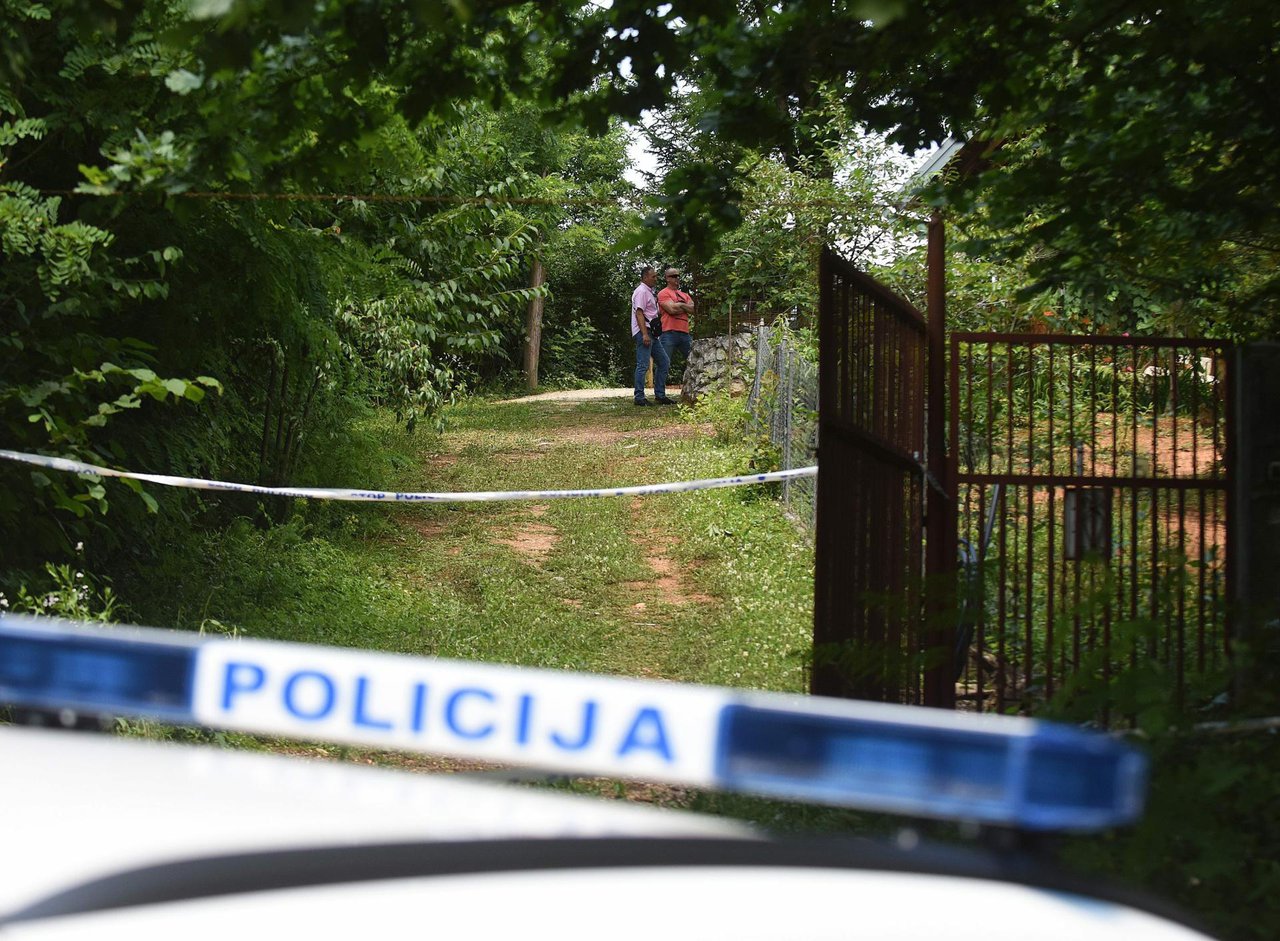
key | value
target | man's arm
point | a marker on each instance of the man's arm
(675, 308)
(644, 326)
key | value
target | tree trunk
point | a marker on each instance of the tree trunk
(533, 335)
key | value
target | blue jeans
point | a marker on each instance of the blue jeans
(671, 341)
(661, 363)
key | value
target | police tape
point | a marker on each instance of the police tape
(388, 496)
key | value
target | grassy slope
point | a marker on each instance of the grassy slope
(713, 586)
(555, 584)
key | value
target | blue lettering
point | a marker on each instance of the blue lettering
(419, 707)
(648, 732)
(326, 703)
(233, 684)
(451, 713)
(361, 718)
(523, 719)
(588, 727)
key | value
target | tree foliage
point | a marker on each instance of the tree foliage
(173, 223)
(1136, 151)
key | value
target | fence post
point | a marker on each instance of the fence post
(728, 356)
(762, 344)
(941, 508)
(1253, 533)
(785, 403)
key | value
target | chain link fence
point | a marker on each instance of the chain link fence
(783, 399)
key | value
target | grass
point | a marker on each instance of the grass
(711, 586)
(706, 587)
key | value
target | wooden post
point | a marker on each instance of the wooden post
(533, 332)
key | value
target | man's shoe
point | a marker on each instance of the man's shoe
(665, 401)
(643, 402)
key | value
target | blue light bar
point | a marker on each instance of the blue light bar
(1058, 778)
(898, 759)
(58, 669)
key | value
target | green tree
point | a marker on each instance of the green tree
(1136, 146)
(121, 273)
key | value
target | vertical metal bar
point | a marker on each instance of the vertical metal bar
(1076, 631)
(1008, 347)
(1174, 403)
(1134, 587)
(1030, 593)
(965, 453)
(1074, 469)
(787, 403)
(1116, 595)
(1049, 588)
(1166, 531)
(1155, 566)
(1115, 412)
(1052, 386)
(941, 509)
(1093, 410)
(1155, 422)
(1182, 590)
(1201, 569)
(1002, 663)
(1197, 390)
(1233, 509)
(827, 547)
(980, 644)
(1093, 472)
(1133, 409)
(1031, 409)
(1222, 568)
(989, 434)
(1106, 646)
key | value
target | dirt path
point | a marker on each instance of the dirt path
(535, 539)
(637, 613)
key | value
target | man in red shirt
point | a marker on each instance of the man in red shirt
(677, 308)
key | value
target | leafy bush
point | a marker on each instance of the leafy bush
(64, 592)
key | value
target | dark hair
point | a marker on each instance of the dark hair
(646, 269)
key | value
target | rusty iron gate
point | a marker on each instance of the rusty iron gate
(1092, 477)
(869, 538)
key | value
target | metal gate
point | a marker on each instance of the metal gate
(1092, 477)
(869, 540)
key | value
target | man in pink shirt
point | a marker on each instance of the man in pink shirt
(677, 308)
(645, 326)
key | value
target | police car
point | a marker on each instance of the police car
(104, 837)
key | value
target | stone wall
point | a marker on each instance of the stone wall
(718, 363)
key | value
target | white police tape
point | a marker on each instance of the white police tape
(998, 769)
(388, 496)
